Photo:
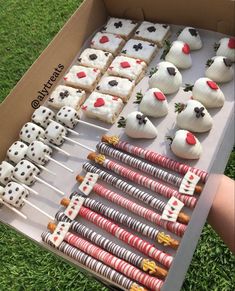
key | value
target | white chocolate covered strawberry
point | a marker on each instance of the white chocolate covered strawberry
(207, 92)
(219, 69)
(137, 125)
(178, 53)
(226, 48)
(185, 145)
(165, 77)
(193, 116)
(152, 103)
(191, 36)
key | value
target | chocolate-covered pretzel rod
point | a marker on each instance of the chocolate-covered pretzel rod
(95, 265)
(130, 239)
(141, 179)
(140, 262)
(105, 257)
(154, 157)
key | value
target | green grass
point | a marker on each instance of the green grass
(26, 27)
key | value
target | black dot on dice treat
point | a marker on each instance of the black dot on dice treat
(21, 132)
(65, 115)
(22, 146)
(59, 113)
(16, 169)
(28, 167)
(17, 201)
(22, 174)
(56, 127)
(26, 179)
(34, 116)
(16, 153)
(28, 136)
(43, 111)
(9, 150)
(26, 125)
(11, 198)
(10, 191)
(26, 131)
(5, 179)
(31, 174)
(21, 163)
(33, 128)
(17, 188)
(15, 143)
(93, 57)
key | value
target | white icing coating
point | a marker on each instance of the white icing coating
(191, 36)
(31, 132)
(37, 152)
(95, 59)
(134, 129)
(127, 68)
(6, 171)
(42, 115)
(227, 48)
(54, 133)
(67, 116)
(139, 49)
(25, 171)
(1, 192)
(82, 77)
(17, 151)
(181, 148)
(153, 32)
(14, 194)
(107, 42)
(103, 107)
(179, 55)
(166, 81)
(187, 118)
(208, 93)
(123, 27)
(218, 71)
(116, 86)
(154, 103)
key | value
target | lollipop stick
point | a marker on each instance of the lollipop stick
(92, 125)
(55, 147)
(13, 209)
(48, 185)
(77, 143)
(45, 169)
(59, 164)
(38, 209)
(25, 186)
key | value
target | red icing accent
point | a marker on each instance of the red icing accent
(95, 70)
(170, 212)
(191, 177)
(70, 212)
(175, 203)
(89, 179)
(110, 67)
(191, 97)
(84, 188)
(65, 78)
(159, 96)
(190, 139)
(118, 36)
(81, 75)
(139, 61)
(92, 42)
(125, 65)
(212, 85)
(55, 238)
(187, 186)
(84, 107)
(231, 43)
(99, 102)
(115, 98)
(104, 39)
(186, 49)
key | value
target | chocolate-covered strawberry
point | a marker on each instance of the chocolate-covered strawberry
(193, 116)
(137, 125)
(190, 36)
(207, 92)
(226, 48)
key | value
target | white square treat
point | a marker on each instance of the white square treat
(66, 96)
(107, 42)
(103, 107)
(132, 69)
(6, 172)
(139, 49)
(123, 27)
(25, 171)
(153, 32)
(17, 151)
(14, 194)
(116, 86)
(54, 133)
(38, 152)
(31, 132)
(95, 59)
(82, 77)
(42, 116)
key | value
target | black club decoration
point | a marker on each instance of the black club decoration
(64, 94)
(199, 111)
(118, 24)
(138, 47)
(151, 29)
(142, 118)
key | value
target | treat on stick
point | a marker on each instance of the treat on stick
(137, 125)
(226, 48)
(190, 36)
(109, 259)
(94, 265)
(120, 26)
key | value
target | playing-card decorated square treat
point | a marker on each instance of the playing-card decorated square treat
(102, 106)
(123, 27)
(132, 69)
(95, 59)
(139, 49)
(82, 77)
(107, 42)
(153, 32)
(66, 96)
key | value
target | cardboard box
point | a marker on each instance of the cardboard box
(49, 68)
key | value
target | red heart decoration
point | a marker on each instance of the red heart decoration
(104, 39)
(99, 102)
(125, 65)
(70, 212)
(212, 85)
(159, 96)
(65, 78)
(81, 75)
(84, 188)
(190, 139)
(186, 49)
(231, 43)
(175, 203)
(191, 177)
(55, 238)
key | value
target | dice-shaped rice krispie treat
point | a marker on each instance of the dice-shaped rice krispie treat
(6, 172)
(123, 27)
(82, 77)
(42, 116)
(31, 132)
(25, 171)
(153, 32)
(103, 107)
(54, 133)
(17, 151)
(67, 116)
(14, 194)
(66, 96)
(139, 49)
(107, 42)
(95, 59)
(132, 69)
(116, 86)
(38, 152)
